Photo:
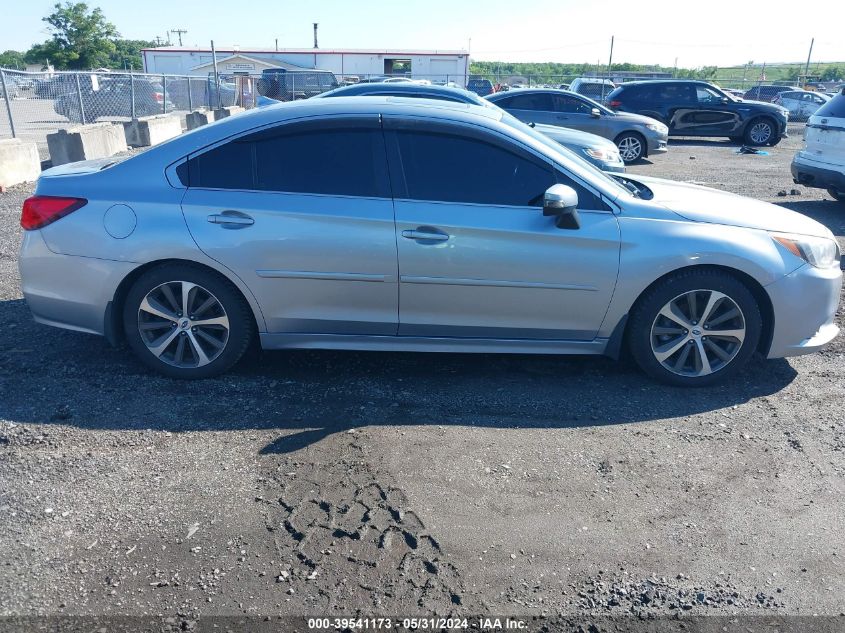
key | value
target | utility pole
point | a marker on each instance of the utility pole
(159, 41)
(810, 54)
(609, 66)
(277, 44)
(315, 35)
(179, 32)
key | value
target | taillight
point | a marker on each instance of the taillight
(159, 97)
(39, 211)
(615, 103)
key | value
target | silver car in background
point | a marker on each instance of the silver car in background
(635, 135)
(377, 223)
(802, 104)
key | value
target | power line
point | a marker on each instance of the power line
(179, 32)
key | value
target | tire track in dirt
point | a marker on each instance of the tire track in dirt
(350, 537)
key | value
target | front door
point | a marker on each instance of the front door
(303, 215)
(577, 113)
(477, 258)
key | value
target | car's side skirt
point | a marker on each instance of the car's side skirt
(431, 344)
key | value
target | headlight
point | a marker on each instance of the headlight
(817, 251)
(657, 127)
(606, 155)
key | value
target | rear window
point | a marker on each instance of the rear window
(835, 108)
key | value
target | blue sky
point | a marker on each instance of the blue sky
(723, 33)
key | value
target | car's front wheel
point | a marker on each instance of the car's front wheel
(631, 146)
(695, 328)
(761, 132)
(186, 322)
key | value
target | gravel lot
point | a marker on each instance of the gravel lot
(330, 484)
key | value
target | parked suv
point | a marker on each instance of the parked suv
(698, 108)
(592, 87)
(821, 163)
(765, 93)
(481, 87)
(111, 97)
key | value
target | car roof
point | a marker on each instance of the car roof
(446, 91)
(314, 108)
(528, 91)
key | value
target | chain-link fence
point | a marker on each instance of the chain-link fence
(36, 104)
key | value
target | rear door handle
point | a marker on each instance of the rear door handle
(231, 218)
(425, 234)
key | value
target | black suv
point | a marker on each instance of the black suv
(481, 87)
(697, 108)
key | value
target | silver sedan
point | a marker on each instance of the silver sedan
(377, 223)
(635, 135)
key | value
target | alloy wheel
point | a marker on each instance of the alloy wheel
(183, 324)
(761, 132)
(630, 148)
(697, 333)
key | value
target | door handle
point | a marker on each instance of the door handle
(428, 235)
(231, 218)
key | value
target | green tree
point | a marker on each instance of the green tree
(81, 38)
(127, 54)
(12, 59)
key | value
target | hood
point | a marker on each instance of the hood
(83, 167)
(569, 136)
(703, 204)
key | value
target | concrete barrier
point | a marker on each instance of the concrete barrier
(86, 142)
(19, 162)
(198, 118)
(152, 130)
(222, 113)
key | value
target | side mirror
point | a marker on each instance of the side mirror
(595, 113)
(724, 100)
(561, 202)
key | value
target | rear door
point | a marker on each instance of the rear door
(302, 213)
(477, 258)
(531, 107)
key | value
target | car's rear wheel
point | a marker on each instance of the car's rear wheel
(761, 131)
(837, 195)
(695, 328)
(632, 147)
(186, 322)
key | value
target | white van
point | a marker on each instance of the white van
(821, 163)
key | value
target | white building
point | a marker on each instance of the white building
(417, 64)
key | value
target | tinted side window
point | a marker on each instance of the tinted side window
(537, 101)
(565, 103)
(347, 162)
(681, 93)
(449, 168)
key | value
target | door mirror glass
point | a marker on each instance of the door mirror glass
(595, 113)
(561, 202)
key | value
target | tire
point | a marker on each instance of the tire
(632, 147)
(164, 340)
(672, 350)
(760, 131)
(837, 195)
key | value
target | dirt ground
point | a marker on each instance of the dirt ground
(332, 484)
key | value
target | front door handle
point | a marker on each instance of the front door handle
(231, 218)
(425, 234)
